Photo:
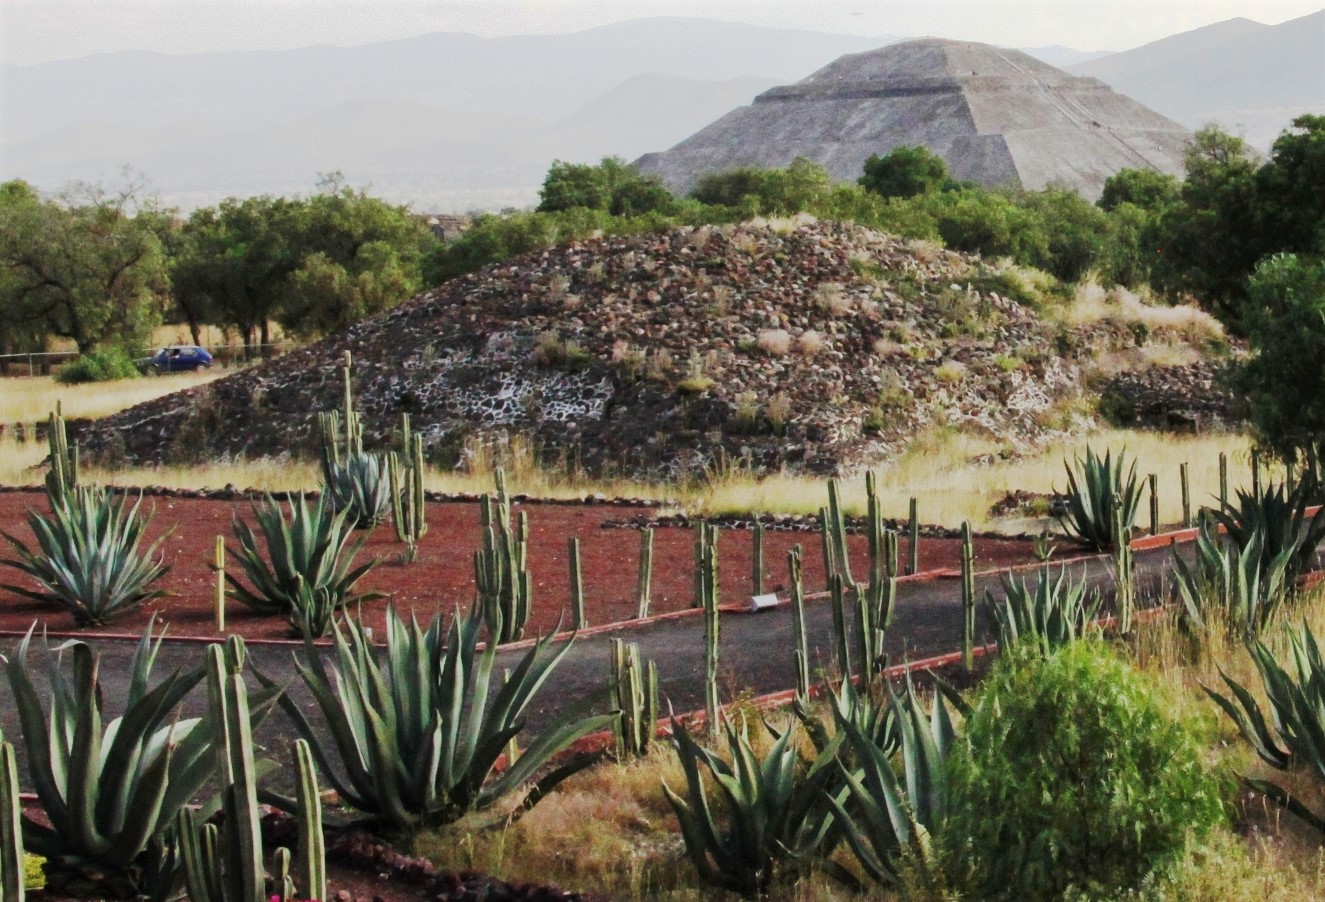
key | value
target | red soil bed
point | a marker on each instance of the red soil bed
(443, 577)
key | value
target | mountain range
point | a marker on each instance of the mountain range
(454, 121)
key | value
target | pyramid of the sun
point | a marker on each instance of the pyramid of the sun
(997, 116)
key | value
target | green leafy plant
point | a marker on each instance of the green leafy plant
(1236, 588)
(101, 365)
(12, 865)
(89, 558)
(1277, 519)
(416, 740)
(1294, 738)
(1093, 785)
(360, 486)
(1050, 612)
(1098, 489)
(776, 809)
(889, 816)
(111, 792)
(306, 574)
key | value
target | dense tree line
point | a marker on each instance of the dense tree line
(103, 270)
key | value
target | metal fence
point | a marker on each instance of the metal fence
(43, 363)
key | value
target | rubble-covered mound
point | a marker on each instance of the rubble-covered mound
(809, 346)
(1186, 398)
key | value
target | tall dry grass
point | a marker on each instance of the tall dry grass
(30, 399)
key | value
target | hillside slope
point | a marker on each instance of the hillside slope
(808, 346)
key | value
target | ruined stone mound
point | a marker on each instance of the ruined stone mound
(997, 116)
(809, 346)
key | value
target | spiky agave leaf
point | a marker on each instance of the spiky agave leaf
(1051, 612)
(775, 808)
(88, 558)
(1096, 488)
(306, 572)
(111, 792)
(417, 737)
(1294, 737)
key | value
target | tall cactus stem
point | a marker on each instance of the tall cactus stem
(913, 526)
(1185, 478)
(1124, 573)
(311, 862)
(798, 626)
(578, 620)
(644, 586)
(11, 827)
(757, 559)
(968, 597)
(1153, 481)
(1223, 480)
(220, 584)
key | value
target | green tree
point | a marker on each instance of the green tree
(1071, 232)
(235, 261)
(1144, 188)
(1284, 380)
(357, 256)
(727, 189)
(1210, 241)
(81, 266)
(905, 172)
(613, 186)
(1290, 190)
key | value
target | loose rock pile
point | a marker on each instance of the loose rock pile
(1187, 398)
(809, 346)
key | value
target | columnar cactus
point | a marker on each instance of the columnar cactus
(706, 584)
(504, 587)
(644, 590)
(408, 512)
(1124, 574)
(798, 625)
(578, 619)
(636, 691)
(63, 475)
(11, 827)
(968, 597)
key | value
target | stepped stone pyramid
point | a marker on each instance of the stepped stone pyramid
(997, 116)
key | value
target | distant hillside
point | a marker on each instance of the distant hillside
(444, 120)
(1248, 77)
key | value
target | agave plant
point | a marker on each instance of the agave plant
(1236, 586)
(1279, 519)
(415, 740)
(110, 791)
(306, 572)
(1294, 737)
(884, 814)
(89, 557)
(1051, 612)
(1097, 489)
(776, 809)
(360, 487)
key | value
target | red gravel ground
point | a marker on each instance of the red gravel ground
(443, 578)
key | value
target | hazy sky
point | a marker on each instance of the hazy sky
(37, 30)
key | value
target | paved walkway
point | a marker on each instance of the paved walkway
(756, 651)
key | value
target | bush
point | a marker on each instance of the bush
(101, 365)
(1074, 777)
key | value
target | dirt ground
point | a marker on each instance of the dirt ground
(443, 576)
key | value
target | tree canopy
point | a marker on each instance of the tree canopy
(905, 172)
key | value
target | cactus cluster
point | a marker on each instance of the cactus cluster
(635, 688)
(63, 475)
(357, 483)
(504, 588)
(408, 512)
(224, 864)
(874, 600)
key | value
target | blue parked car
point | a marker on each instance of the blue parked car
(177, 359)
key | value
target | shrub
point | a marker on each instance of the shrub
(1073, 777)
(101, 365)
(88, 559)
(809, 342)
(775, 342)
(951, 372)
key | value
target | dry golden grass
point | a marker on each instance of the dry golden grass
(1184, 322)
(29, 399)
